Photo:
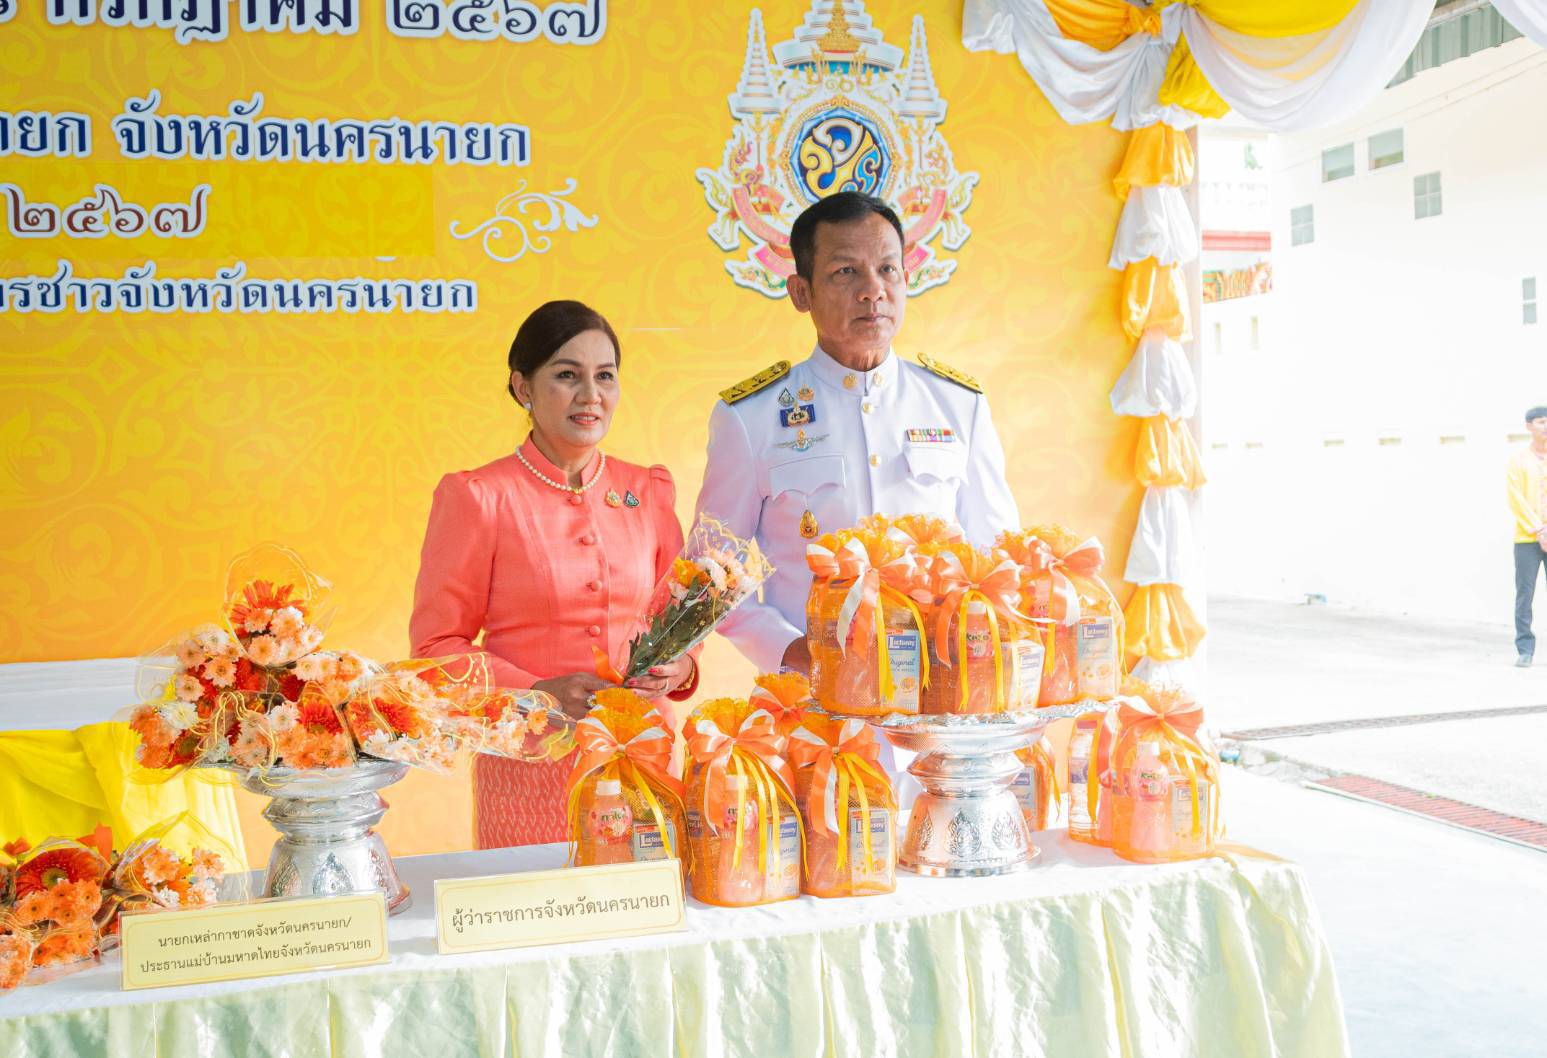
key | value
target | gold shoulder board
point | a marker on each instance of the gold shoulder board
(946, 371)
(761, 380)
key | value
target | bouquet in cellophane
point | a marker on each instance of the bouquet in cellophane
(1061, 586)
(61, 901)
(865, 633)
(623, 803)
(521, 725)
(744, 830)
(848, 806)
(708, 579)
(407, 712)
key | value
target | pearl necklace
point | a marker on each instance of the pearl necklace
(560, 485)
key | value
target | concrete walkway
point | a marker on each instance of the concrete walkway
(1438, 934)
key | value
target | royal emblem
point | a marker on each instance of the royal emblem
(837, 109)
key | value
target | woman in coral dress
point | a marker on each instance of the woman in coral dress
(548, 552)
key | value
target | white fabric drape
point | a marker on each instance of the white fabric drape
(1287, 84)
(1528, 16)
(1161, 551)
(1157, 381)
(1083, 83)
(1155, 223)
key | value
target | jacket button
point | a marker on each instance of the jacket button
(594, 585)
(875, 461)
(588, 539)
(576, 501)
(594, 630)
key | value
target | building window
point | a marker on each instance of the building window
(1385, 149)
(1528, 299)
(1426, 195)
(1337, 162)
(1302, 225)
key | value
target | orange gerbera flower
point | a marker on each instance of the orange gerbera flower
(66, 863)
(263, 595)
(317, 714)
(15, 848)
(62, 946)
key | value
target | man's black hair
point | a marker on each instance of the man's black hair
(841, 208)
(1538, 412)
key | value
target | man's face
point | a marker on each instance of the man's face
(857, 291)
(1538, 428)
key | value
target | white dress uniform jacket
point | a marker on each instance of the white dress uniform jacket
(841, 444)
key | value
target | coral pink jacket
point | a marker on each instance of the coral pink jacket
(544, 574)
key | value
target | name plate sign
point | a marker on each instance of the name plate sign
(554, 907)
(263, 938)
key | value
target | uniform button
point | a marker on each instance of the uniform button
(594, 630)
(875, 461)
(576, 501)
(878, 380)
(594, 585)
(850, 380)
(588, 539)
(867, 407)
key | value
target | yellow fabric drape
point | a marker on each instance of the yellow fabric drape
(1155, 295)
(1157, 155)
(64, 783)
(1167, 455)
(1103, 24)
(1185, 86)
(1269, 20)
(1161, 625)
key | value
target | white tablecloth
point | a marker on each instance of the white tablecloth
(1082, 955)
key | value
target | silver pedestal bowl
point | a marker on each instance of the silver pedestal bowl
(324, 818)
(967, 822)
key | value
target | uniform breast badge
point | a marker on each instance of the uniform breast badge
(803, 441)
(808, 526)
(800, 415)
(613, 499)
(806, 394)
(630, 500)
(786, 398)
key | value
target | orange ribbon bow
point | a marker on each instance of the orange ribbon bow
(1177, 716)
(998, 589)
(865, 601)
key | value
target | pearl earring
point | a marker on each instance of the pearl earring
(528, 407)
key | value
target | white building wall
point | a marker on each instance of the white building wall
(1359, 452)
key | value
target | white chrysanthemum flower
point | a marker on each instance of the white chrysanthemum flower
(714, 569)
(166, 897)
(221, 671)
(311, 638)
(377, 742)
(190, 655)
(258, 619)
(264, 651)
(284, 718)
(189, 689)
(314, 668)
(213, 640)
(179, 715)
(287, 622)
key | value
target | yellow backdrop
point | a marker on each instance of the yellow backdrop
(138, 452)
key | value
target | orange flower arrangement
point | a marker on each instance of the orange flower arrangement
(64, 862)
(785, 695)
(521, 725)
(404, 714)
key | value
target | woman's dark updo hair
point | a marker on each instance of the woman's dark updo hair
(549, 327)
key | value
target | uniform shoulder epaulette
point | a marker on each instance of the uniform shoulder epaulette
(946, 371)
(762, 380)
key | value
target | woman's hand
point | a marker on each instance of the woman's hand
(662, 679)
(573, 692)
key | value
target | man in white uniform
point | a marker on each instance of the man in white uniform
(850, 431)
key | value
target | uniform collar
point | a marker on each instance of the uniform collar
(859, 383)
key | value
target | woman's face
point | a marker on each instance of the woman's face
(574, 394)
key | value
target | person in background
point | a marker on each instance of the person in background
(1527, 482)
(547, 552)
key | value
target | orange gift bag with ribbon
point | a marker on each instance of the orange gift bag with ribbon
(623, 802)
(1061, 584)
(865, 633)
(744, 830)
(1166, 779)
(988, 658)
(848, 807)
(785, 696)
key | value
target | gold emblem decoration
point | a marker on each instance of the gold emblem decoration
(946, 371)
(613, 499)
(762, 380)
(808, 526)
